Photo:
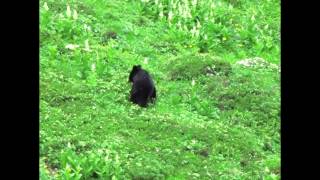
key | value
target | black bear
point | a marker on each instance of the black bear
(143, 89)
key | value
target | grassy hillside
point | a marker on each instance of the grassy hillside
(216, 68)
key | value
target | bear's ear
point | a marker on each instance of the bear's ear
(137, 67)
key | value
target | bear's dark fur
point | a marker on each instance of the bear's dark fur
(143, 89)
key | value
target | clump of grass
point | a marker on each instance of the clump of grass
(190, 67)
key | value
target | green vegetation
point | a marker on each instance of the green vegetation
(217, 114)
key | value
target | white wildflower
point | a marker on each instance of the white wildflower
(197, 33)
(267, 169)
(71, 46)
(194, 3)
(180, 10)
(146, 60)
(161, 14)
(198, 24)
(68, 11)
(273, 176)
(117, 158)
(93, 67)
(60, 15)
(170, 15)
(212, 5)
(68, 167)
(252, 18)
(211, 14)
(86, 27)
(189, 14)
(160, 6)
(86, 45)
(75, 14)
(193, 82)
(186, 14)
(193, 31)
(46, 6)
(205, 37)
(174, 5)
(186, 3)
